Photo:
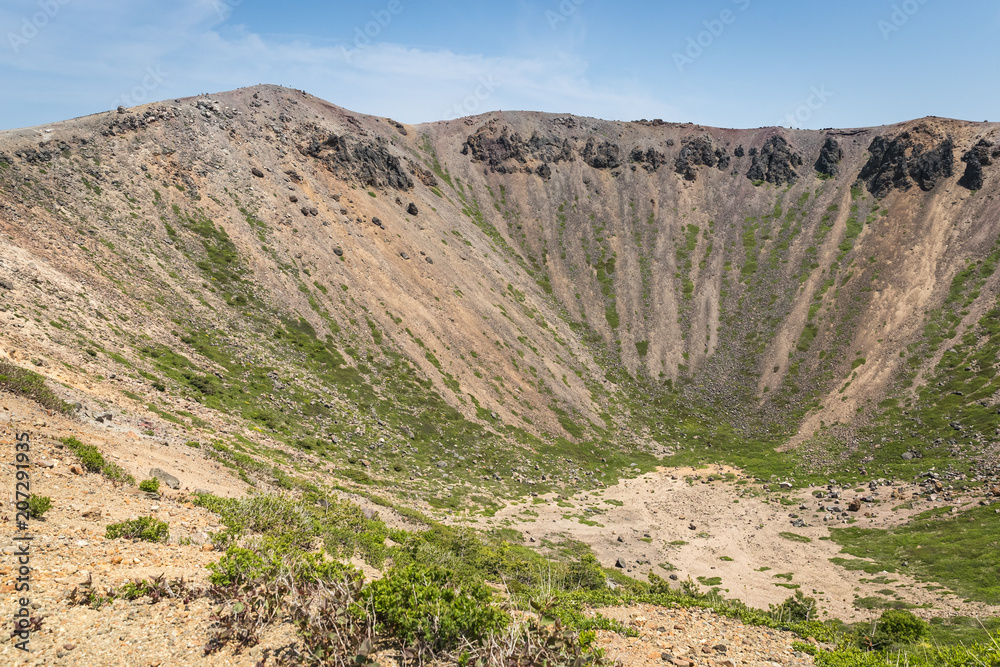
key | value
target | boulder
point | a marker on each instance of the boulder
(165, 477)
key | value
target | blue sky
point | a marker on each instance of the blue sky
(731, 63)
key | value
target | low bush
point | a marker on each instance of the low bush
(90, 457)
(146, 528)
(38, 505)
(22, 382)
(895, 626)
(794, 609)
(425, 606)
(93, 461)
(150, 485)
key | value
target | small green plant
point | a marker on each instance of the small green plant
(92, 461)
(146, 528)
(795, 537)
(38, 505)
(89, 456)
(150, 485)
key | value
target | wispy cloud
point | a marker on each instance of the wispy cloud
(102, 50)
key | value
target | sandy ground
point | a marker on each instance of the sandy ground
(718, 529)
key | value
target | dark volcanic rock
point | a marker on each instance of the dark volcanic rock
(927, 167)
(604, 155)
(495, 144)
(412, 209)
(775, 163)
(739, 151)
(979, 156)
(550, 150)
(697, 152)
(650, 159)
(894, 163)
(371, 163)
(31, 156)
(886, 168)
(545, 171)
(830, 156)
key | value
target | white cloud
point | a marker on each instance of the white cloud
(101, 50)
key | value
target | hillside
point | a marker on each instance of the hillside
(556, 280)
(507, 322)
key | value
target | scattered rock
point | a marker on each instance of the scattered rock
(257, 172)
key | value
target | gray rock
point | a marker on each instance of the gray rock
(165, 477)
(257, 172)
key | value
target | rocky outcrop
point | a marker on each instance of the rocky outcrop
(898, 163)
(650, 159)
(547, 149)
(775, 162)
(369, 163)
(927, 167)
(604, 155)
(700, 151)
(979, 156)
(886, 168)
(496, 145)
(828, 163)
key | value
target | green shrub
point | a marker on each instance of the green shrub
(89, 456)
(117, 474)
(274, 557)
(895, 626)
(794, 609)
(586, 573)
(38, 505)
(425, 606)
(150, 485)
(22, 382)
(146, 528)
(92, 461)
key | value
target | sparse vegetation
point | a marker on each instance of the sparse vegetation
(146, 529)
